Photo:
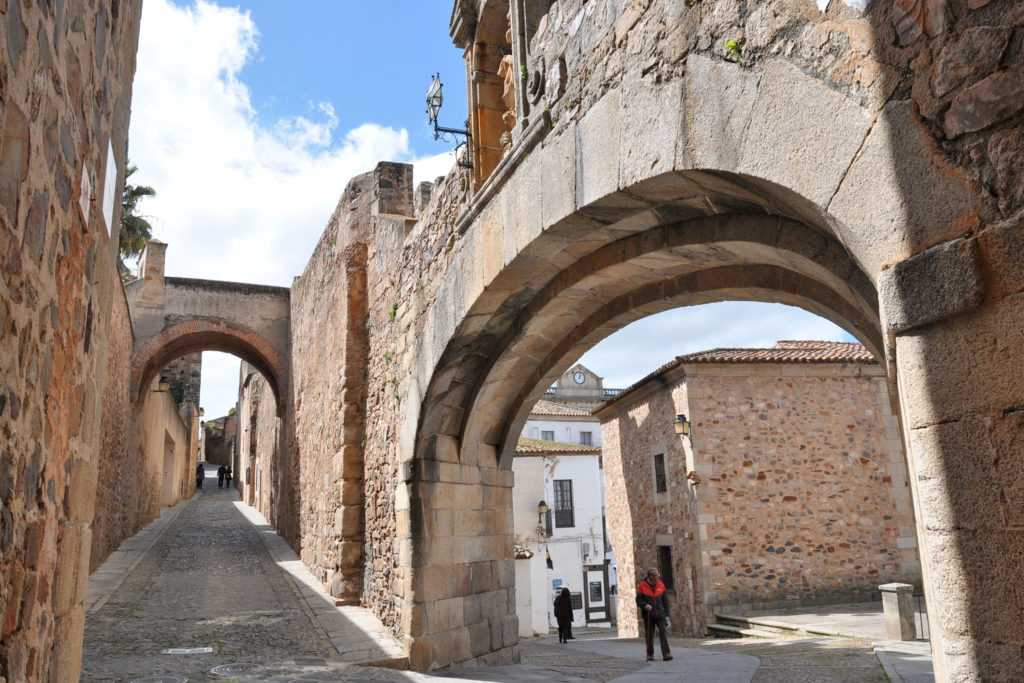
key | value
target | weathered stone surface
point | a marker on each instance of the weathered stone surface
(932, 285)
(976, 54)
(14, 156)
(558, 167)
(1001, 247)
(998, 97)
(651, 121)
(782, 148)
(946, 371)
(901, 185)
(597, 145)
(752, 453)
(968, 480)
(720, 97)
(914, 18)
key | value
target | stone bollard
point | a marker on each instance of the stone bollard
(898, 607)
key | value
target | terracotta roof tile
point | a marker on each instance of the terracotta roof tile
(782, 352)
(785, 352)
(545, 407)
(540, 447)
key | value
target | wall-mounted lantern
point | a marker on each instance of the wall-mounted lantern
(435, 99)
(163, 384)
(542, 509)
(683, 426)
(201, 412)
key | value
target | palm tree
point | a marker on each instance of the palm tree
(135, 230)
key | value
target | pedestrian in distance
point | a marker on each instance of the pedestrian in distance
(200, 475)
(220, 476)
(653, 603)
(227, 476)
(563, 614)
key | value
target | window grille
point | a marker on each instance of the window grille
(660, 482)
(564, 513)
(586, 439)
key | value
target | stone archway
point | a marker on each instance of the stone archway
(676, 239)
(207, 335)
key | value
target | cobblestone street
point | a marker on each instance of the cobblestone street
(208, 582)
(212, 600)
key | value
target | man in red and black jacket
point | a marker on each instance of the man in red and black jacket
(653, 604)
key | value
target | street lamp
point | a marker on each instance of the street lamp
(683, 426)
(542, 509)
(435, 98)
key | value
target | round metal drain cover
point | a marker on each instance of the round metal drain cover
(161, 679)
(233, 669)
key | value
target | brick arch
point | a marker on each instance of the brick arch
(207, 334)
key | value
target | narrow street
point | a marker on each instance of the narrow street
(208, 582)
(212, 600)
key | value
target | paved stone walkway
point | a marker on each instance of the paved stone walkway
(206, 582)
(212, 575)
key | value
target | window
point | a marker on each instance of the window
(660, 482)
(665, 566)
(564, 515)
(546, 435)
(577, 600)
(586, 439)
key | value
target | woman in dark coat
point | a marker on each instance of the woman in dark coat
(563, 613)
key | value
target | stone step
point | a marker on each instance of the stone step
(727, 631)
(773, 626)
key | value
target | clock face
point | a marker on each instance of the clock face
(579, 377)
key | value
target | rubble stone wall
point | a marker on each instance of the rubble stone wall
(67, 77)
(259, 430)
(123, 504)
(804, 495)
(639, 519)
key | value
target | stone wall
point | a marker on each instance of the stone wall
(638, 519)
(123, 504)
(259, 430)
(221, 437)
(802, 497)
(67, 75)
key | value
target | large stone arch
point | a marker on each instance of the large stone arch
(205, 334)
(670, 191)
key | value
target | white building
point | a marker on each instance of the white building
(559, 508)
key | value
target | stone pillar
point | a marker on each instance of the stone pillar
(898, 607)
(460, 604)
(955, 312)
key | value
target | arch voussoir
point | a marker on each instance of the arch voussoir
(206, 334)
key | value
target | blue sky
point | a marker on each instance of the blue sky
(248, 118)
(372, 60)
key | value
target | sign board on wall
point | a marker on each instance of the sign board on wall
(109, 188)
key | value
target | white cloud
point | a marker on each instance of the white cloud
(236, 200)
(647, 344)
(247, 202)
